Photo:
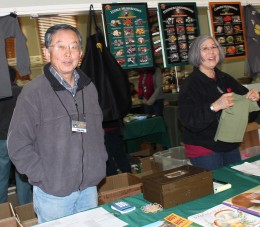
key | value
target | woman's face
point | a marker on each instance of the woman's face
(209, 55)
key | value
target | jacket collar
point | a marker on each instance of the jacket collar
(218, 73)
(83, 81)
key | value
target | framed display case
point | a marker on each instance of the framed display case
(227, 26)
(128, 34)
(179, 27)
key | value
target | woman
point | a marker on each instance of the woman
(150, 89)
(203, 96)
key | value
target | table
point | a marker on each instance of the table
(151, 129)
(240, 182)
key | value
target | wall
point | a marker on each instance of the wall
(32, 7)
(237, 68)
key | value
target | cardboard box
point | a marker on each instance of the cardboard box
(143, 153)
(13, 198)
(26, 215)
(147, 149)
(176, 186)
(140, 165)
(251, 137)
(118, 186)
(7, 216)
(149, 166)
(6, 211)
(10, 222)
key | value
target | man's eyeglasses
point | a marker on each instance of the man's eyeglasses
(209, 49)
(63, 48)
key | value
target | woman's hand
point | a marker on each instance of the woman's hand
(253, 95)
(225, 101)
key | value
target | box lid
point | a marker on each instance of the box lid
(118, 182)
(172, 175)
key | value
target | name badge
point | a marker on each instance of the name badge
(79, 126)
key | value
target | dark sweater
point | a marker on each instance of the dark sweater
(196, 95)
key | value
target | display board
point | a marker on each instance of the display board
(227, 26)
(179, 27)
(128, 34)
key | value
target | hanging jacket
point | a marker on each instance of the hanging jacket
(9, 27)
(110, 79)
(252, 28)
(145, 85)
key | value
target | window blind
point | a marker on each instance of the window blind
(44, 23)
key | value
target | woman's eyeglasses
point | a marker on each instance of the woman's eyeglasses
(209, 49)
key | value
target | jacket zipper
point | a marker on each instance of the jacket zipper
(82, 172)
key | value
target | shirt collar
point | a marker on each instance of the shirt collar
(63, 82)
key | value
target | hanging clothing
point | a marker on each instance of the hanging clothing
(252, 28)
(146, 85)
(9, 27)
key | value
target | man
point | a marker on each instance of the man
(23, 188)
(56, 136)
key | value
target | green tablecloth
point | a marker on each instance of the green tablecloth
(150, 129)
(240, 182)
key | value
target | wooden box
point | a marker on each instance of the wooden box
(176, 186)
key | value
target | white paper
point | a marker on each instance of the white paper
(219, 187)
(252, 168)
(98, 217)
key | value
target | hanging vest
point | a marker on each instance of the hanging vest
(145, 85)
(252, 27)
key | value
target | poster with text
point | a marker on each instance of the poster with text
(179, 27)
(128, 34)
(227, 26)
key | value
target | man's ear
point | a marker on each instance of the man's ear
(81, 53)
(46, 54)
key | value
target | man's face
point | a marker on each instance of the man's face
(64, 52)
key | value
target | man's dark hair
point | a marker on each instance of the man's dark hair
(58, 27)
